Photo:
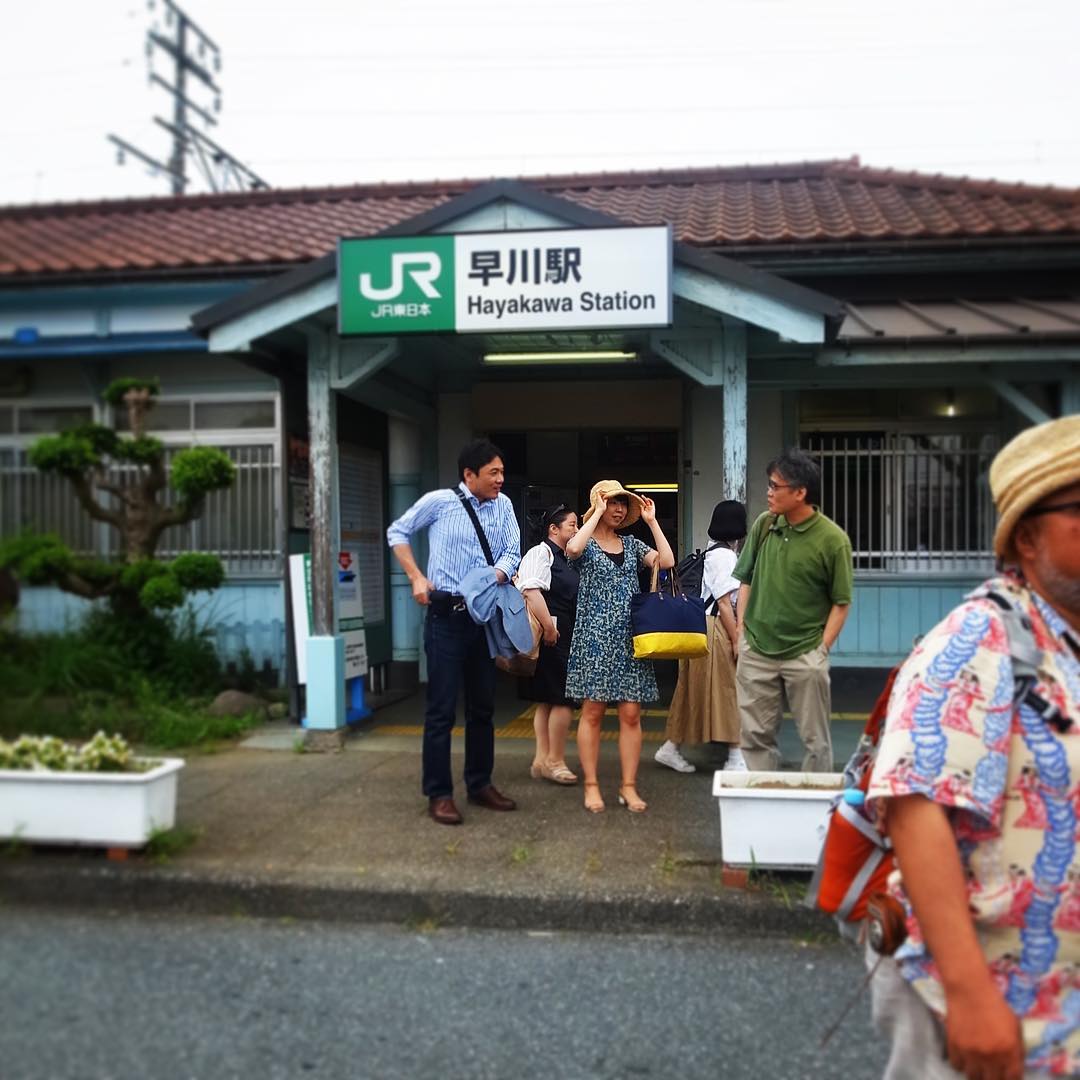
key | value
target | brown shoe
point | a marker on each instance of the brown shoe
(489, 797)
(442, 810)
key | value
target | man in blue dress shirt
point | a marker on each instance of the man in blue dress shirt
(456, 647)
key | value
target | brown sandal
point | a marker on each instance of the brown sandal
(597, 805)
(636, 804)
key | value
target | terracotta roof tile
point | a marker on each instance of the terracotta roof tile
(786, 204)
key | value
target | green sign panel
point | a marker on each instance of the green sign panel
(399, 285)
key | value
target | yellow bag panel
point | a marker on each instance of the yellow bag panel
(662, 646)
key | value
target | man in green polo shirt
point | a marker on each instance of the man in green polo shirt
(796, 576)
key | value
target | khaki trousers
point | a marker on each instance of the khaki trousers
(805, 679)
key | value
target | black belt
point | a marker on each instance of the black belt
(445, 603)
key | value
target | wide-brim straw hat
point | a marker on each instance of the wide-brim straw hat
(609, 489)
(1038, 462)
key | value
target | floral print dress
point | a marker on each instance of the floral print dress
(602, 665)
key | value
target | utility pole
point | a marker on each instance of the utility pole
(219, 168)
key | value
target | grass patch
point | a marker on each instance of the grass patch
(148, 720)
(149, 680)
(165, 844)
(520, 855)
(668, 862)
(14, 847)
(789, 888)
(423, 924)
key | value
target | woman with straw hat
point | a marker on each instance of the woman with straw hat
(602, 667)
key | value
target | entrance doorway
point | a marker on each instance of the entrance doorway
(545, 468)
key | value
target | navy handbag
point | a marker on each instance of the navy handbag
(668, 625)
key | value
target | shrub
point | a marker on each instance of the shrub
(82, 455)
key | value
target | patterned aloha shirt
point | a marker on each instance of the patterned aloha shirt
(1012, 783)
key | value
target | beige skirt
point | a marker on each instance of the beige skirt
(704, 707)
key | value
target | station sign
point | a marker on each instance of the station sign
(506, 282)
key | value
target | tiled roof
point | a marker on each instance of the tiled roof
(818, 203)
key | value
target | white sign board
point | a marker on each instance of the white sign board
(544, 279)
(562, 279)
(348, 612)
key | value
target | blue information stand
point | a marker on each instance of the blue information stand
(356, 709)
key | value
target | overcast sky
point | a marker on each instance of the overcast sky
(341, 91)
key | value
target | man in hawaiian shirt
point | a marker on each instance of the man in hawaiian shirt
(981, 798)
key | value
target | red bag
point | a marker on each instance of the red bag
(856, 859)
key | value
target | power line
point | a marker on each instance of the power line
(187, 48)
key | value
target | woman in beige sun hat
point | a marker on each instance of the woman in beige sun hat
(602, 667)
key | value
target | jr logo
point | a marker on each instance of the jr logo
(426, 268)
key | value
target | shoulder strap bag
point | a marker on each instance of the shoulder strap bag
(485, 546)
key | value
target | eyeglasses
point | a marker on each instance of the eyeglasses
(777, 487)
(1057, 508)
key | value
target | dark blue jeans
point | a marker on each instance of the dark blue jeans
(457, 654)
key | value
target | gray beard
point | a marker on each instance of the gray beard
(1062, 591)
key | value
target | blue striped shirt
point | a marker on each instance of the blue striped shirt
(453, 546)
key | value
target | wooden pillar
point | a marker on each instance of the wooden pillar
(325, 530)
(325, 650)
(735, 412)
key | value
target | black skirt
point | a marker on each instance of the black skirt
(548, 684)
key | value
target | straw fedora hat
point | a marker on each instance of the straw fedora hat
(1038, 462)
(609, 489)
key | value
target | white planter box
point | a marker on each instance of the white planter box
(103, 809)
(778, 828)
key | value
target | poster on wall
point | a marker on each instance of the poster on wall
(299, 484)
(363, 525)
(348, 612)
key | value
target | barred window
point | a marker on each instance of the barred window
(33, 500)
(240, 525)
(910, 501)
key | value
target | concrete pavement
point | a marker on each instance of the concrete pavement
(282, 833)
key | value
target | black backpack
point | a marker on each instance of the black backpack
(689, 572)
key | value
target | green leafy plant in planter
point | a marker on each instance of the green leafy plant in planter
(46, 753)
(122, 480)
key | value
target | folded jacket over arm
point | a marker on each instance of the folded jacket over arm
(500, 609)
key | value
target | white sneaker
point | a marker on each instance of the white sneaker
(735, 761)
(669, 755)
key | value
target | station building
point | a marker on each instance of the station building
(898, 326)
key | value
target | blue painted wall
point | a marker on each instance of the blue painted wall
(242, 615)
(889, 613)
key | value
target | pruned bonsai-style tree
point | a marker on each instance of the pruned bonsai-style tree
(139, 584)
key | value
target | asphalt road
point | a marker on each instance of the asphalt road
(140, 998)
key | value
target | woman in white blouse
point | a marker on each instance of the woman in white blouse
(550, 584)
(704, 708)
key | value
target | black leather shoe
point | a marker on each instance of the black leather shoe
(492, 799)
(442, 810)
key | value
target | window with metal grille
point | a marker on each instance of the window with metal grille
(241, 525)
(33, 500)
(911, 501)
